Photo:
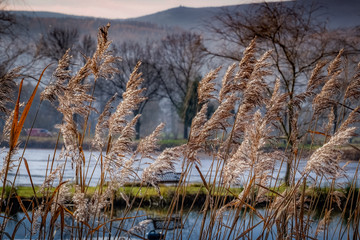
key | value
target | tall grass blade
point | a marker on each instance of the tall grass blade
(31, 182)
(16, 228)
(23, 208)
(27, 106)
(17, 126)
(14, 126)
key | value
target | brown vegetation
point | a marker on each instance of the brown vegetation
(235, 136)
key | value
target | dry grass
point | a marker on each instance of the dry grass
(236, 146)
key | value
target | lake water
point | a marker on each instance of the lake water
(191, 222)
(38, 159)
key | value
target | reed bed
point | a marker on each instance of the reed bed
(237, 138)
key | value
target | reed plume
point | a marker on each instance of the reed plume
(7, 87)
(62, 75)
(102, 125)
(229, 83)
(51, 177)
(327, 97)
(219, 119)
(196, 138)
(253, 94)
(82, 212)
(275, 105)
(119, 124)
(247, 64)
(163, 163)
(122, 144)
(116, 163)
(324, 161)
(131, 99)
(8, 124)
(316, 80)
(148, 145)
(207, 86)
(249, 155)
(324, 222)
(72, 99)
(353, 90)
(353, 118)
(102, 62)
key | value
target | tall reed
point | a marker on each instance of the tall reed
(242, 138)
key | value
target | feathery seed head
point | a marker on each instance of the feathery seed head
(334, 66)
(81, 213)
(163, 163)
(228, 84)
(353, 89)
(218, 120)
(148, 145)
(247, 63)
(207, 86)
(196, 139)
(102, 125)
(101, 64)
(324, 161)
(7, 86)
(131, 99)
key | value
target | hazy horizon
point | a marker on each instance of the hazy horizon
(115, 9)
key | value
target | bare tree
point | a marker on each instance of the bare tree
(294, 33)
(86, 47)
(7, 20)
(8, 54)
(182, 58)
(56, 42)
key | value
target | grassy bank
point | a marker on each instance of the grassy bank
(194, 195)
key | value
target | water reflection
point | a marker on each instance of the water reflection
(189, 228)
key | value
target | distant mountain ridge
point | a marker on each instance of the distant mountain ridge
(34, 24)
(184, 17)
(44, 14)
(338, 13)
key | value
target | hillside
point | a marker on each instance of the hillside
(337, 14)
(185, 17)
(35, 24)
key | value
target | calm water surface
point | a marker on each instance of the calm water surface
(38, 160)
(191, 223)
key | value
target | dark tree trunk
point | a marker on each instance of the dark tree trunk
(137, 129)
(186, 135)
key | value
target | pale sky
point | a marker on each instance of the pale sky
(114, 8)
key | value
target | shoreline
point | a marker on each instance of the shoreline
(349, 153)
(195, 195)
